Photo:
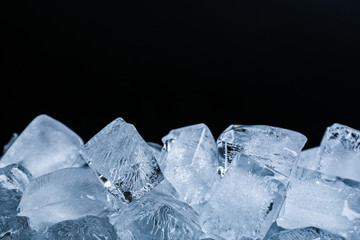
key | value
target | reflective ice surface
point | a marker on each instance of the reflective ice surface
(65, 194)
(277, 148)
(119, 154)
(44, 146)
(189, 162)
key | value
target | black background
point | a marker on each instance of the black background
(167, 64)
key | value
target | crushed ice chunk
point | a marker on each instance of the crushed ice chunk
(277, 148)
(61, 195)
(308, 233)
(157, 216)
(119, 154)
(339, 152)
(84, 228)
(244, 203)
(13, 179)
(324, 201)
(189, 162)
(44, 146)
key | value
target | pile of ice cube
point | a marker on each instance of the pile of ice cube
(254, 182)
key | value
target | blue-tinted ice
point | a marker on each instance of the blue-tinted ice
(44, 146)
(13, 179)
(339, 152)
(189, 162)
(157, 215)
(244, 203)
(308, 233)
(277, 148)
(84, 228)
(120, 155)
(61, 195)
(324, 201)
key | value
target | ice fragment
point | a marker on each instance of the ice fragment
(189, 162)
(119, 154)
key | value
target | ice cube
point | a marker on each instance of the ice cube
(61, 195)
(244, 203)
(156, 149)
(44, 146)
(308, 233)
(324, 201)
(11, 141)
(309, 158)
(13, 179)
(157, 216)
(277, 148)
(339, 153)
(189, 162)
(119, 154)
(84, 228)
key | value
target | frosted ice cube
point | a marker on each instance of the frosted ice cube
(85, 228)
(309, 158)
(309, 233)
(44, 146)
(13, 179)
(244, 203)
(323, 201)
(277, 148)
(189, 162)
(340, 152)
(119, 154)
(62, 195)
(157, 216)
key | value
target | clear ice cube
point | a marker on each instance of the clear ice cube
(157, 215)
(309, 158)
(44, 146)
(84, 228)
(339, 153)
(244, 203)
(120, 155)
(61, 195)
(324, 201)
(308, 233)
(189, 162)
(277, 148)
